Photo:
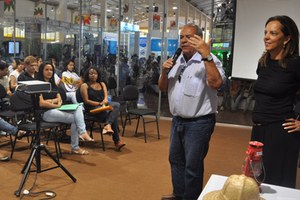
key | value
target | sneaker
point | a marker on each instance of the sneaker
(120, 145)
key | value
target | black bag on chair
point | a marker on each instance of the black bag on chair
(20, 101)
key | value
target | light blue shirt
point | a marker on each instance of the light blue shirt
(191, 97)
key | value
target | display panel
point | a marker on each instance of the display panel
(11, 48)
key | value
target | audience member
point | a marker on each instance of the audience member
(15, 74)
(52, 101)
(29, 74)
(71, 81)
(3, 77)
(94, 94)
(123, 73)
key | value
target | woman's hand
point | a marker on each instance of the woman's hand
(292, 125)
(59, 103)
(104, 102)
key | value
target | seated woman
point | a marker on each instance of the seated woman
(52, 100)
(71, 81)
(13, 76)
(94, 94)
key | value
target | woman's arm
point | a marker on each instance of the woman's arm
(104, 88)
(13, 82)
(50, 103)
(85, 97)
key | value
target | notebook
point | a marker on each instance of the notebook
(73, 106)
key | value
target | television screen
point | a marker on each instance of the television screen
(11, 48)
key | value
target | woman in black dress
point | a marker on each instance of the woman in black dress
(275, 90)
(94, 94)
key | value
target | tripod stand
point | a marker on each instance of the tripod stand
(36, 151)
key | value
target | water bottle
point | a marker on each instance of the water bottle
(109, 97)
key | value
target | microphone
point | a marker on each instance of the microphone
(175, 57)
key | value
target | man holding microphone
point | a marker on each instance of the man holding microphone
(191, 82)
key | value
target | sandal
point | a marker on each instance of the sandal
(107, 130)
(86, 138)
(79, 151)
(104, 132)
(21, 134)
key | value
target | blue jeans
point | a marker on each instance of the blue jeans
(189, 142)
(75, 118)
(7, 127)
(111, 117)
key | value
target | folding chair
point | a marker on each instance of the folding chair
(130, 96)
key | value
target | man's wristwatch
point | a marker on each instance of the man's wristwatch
(209, 58)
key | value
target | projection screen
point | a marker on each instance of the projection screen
(251, 16)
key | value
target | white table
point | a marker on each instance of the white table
(269, 192)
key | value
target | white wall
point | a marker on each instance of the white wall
(251, 16)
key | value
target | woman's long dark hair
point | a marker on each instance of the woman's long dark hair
(40, 74)
(86, 77)
(67, 63)
(289, 28)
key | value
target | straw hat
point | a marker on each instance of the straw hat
(236, 187)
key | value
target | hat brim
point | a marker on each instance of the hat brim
(217, 195)
(214, 195)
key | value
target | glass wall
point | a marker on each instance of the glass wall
(127, 40)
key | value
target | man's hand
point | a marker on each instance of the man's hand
(167, 65)
(199, 44)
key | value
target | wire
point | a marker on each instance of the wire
(48, 193)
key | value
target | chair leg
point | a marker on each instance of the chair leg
(158, 134)
(13, 147)
(145, 137)
(137, 125)
(101, 134)
(124, 125)
(57, 145)
(91, 129)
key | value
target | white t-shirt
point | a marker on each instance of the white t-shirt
(69, 78)
(15, 73)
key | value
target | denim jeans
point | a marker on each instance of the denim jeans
(111, 117)
(75, 118)
(7, 127)
(71, 96)
(189, 142)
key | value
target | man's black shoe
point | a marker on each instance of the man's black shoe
(168, 197)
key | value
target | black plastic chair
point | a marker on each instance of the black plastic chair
(112, 85)
(131, 96)
(19, 103)
(4, 101)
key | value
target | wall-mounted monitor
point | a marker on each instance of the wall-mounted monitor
(11, 48)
